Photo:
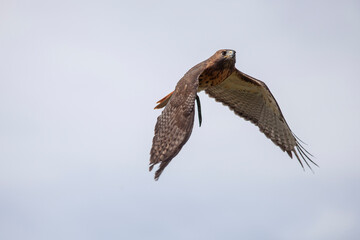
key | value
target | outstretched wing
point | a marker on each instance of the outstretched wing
(174, 125)
(251, 99)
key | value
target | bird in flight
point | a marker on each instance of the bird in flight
(248, 97)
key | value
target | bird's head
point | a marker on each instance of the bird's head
(224, 56)
(226, 53)
(223, 59)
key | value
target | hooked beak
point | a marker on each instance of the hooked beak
(230, 53)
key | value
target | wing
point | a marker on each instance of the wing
(251, 99)
(174, 125)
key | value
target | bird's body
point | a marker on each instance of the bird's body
(246, 96)
(217, 71)
(212, 73)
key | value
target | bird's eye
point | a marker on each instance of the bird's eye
(223, 53)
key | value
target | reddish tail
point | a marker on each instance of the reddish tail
(162, 102)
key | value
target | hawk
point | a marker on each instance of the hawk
(248, 97)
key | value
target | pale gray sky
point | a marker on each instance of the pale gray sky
(78, 83)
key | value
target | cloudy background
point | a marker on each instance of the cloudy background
(78, 83)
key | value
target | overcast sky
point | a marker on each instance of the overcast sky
(78, 84)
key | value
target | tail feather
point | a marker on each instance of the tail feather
(162, 102)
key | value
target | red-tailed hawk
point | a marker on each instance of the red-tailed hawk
(246, 96)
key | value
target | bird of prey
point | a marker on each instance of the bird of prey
(248, 97)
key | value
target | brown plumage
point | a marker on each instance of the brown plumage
(246, 96)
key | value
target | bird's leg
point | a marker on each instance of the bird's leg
(199, 109)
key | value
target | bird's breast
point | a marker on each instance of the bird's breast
(213, 78)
